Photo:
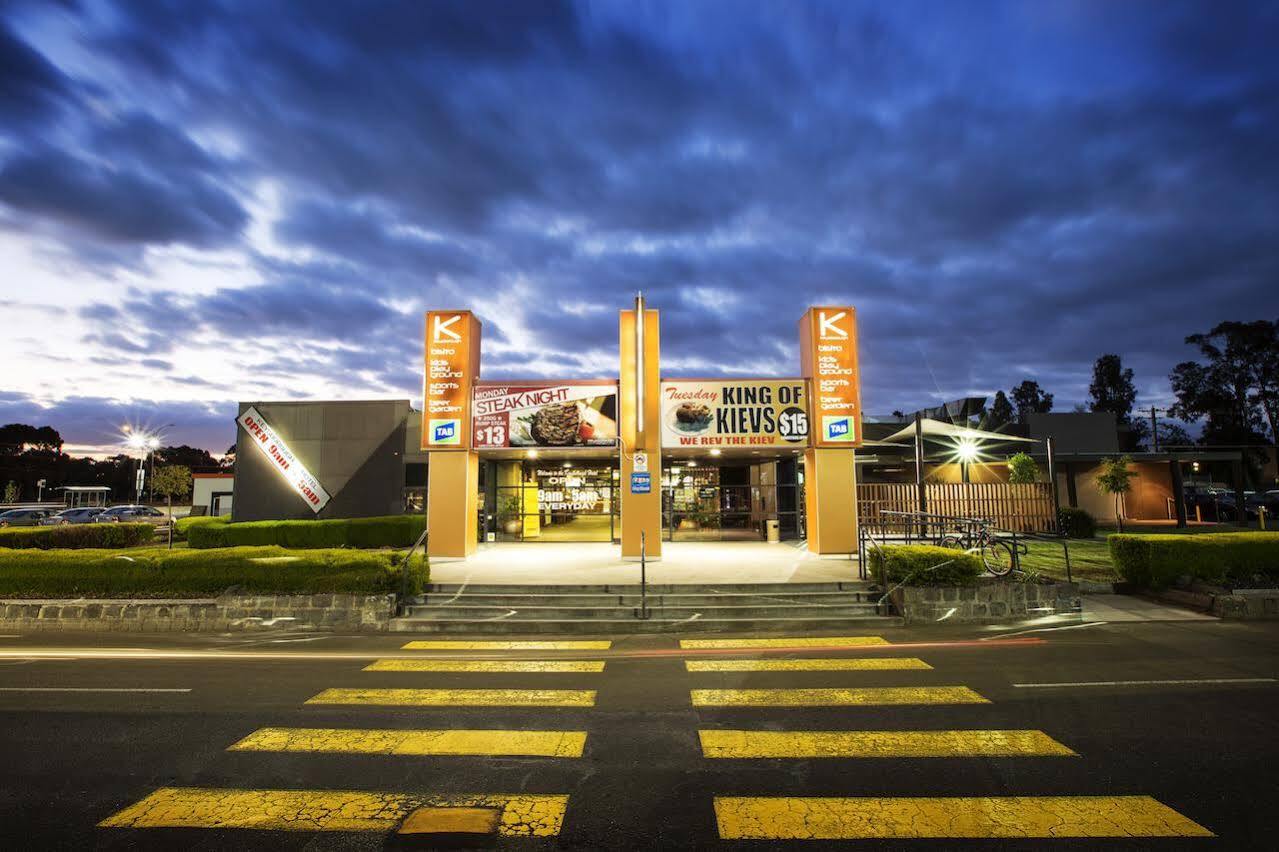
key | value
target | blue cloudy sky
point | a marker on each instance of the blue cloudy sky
(202, 202)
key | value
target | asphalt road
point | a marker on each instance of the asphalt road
(1132, 713)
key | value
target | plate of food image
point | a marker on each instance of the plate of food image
(691, 418)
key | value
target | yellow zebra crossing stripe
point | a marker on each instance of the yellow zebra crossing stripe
(416, 742)
(855, 744)
(855, 664)
(778, 818)
(508, 645)
(547, 666)
(459, 697)
(328, 810)
(835, 697)
(793, 642)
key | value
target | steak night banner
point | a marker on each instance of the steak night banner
(545, 415)
(734, 413)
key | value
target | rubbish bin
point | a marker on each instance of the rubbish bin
(773, 530)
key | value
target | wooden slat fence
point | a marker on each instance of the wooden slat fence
(1024, 508)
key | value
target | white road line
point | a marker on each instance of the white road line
(1045, 629)
(87, 689)
(1211, 680)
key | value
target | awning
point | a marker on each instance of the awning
(940, 430)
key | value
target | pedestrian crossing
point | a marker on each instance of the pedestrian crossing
(458, 697)
(515, 815)
(796, 818)
(489, 743)
(500, 814)
(428, 683)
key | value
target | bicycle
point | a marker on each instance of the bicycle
(997, 555)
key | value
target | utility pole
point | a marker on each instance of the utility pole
(1154, 430)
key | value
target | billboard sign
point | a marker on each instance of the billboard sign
(735, 413)
(281, 458)
(545, 415)
(452, 365)
(828, 354)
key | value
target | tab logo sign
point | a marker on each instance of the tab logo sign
(451, 366)
(446, 433)
(838, 429)
(282, 459)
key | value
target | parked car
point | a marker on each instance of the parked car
(82, 515)
(1268, 499)
(132, 514)
(23, 517)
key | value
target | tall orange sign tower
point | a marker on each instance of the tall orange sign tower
(828, 356)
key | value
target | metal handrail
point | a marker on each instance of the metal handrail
(643, 578)
(408, 566)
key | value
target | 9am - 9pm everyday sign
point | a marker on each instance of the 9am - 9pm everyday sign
(281, 458)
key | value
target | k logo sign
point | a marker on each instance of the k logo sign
(443, 333)
(828, 328)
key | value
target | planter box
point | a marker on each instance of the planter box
(987, 602)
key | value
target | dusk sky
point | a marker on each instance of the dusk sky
(208, 202)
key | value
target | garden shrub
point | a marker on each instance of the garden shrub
(181, 525)
(1234, 559)
(72, 536)
(156, 572)
(1076, 523)
(388, 531)
(924, 565)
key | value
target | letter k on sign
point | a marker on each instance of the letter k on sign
(442, 332)
(828, 328)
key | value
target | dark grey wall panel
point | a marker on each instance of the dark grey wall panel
(355, 450)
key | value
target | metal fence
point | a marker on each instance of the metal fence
(1023, 508)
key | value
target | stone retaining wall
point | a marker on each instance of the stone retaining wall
(1247, 604)
(990, 601)
(364, 613)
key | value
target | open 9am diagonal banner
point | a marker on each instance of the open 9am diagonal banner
(281, 458)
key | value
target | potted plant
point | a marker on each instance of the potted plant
(508, 512)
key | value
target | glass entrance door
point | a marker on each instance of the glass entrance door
(558, 502)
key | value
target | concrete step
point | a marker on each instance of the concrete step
(524, 613)
(813, 599)
(607, 627)
(653, 588)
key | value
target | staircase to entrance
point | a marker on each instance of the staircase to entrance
(606, 609)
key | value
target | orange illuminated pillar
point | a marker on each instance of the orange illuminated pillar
(829, 360)
(639, 409)
(451, 367)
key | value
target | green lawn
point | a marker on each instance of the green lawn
(1089, 559)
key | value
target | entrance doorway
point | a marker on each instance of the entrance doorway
(540, 500)
(733, 500)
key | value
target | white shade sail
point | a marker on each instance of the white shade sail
(940, 430)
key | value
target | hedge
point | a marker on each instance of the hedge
(388, 531)
(156, 572)
(72, 536)
(1235, 559)
(924, 565)
(1076, 523)
(182, 525)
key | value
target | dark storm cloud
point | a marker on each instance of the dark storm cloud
(118, 205)
(30, 86)
(1003, 193)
